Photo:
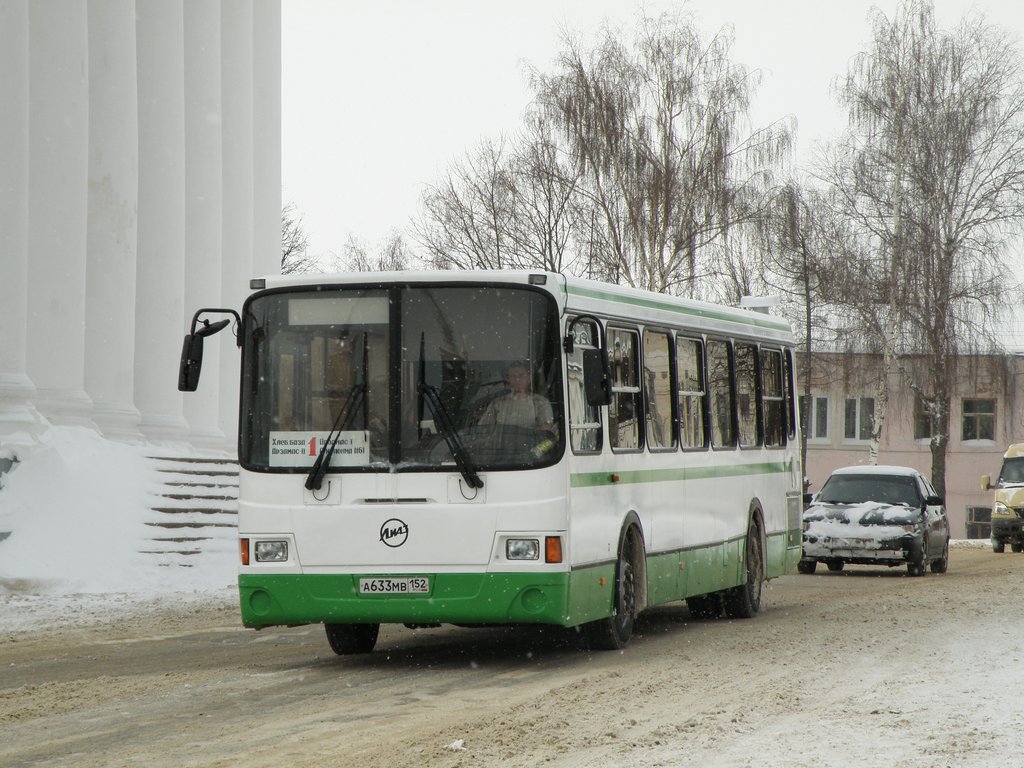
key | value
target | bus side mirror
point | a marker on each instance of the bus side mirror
(596, 381)
(986, 482)
(192, 349)
(191, 363)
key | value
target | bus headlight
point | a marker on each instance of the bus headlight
(522, 549)
(271, 551)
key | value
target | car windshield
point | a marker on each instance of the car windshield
(856, 489)
(1012, 472)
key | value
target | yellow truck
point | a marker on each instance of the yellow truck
(1008, 503)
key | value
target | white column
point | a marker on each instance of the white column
(237, 238)
(113, 218)
(161, 251)
(16, 388)
(204, 202)
(58, 180)
(267, 136)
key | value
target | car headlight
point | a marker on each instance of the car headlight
(910, 528)
(1000, 509)
(271, 551)
(522, 549)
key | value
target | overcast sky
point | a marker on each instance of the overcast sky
(380, 96)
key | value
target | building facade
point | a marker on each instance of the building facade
(986, 413)
(140, 179)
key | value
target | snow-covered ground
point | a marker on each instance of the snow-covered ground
(74, 511)
(867, 667)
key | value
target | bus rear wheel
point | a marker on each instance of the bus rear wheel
(744, 601)
(613, 632)
(346, 639)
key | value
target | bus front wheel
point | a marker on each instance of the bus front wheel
(346, 639)
(613, 632)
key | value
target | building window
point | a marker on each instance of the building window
(924, 420)
(858, 418)
(979, 522)
(814, 416)
(979, 420)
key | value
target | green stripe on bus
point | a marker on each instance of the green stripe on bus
(760, 322)
(626, 477)
(565, 599)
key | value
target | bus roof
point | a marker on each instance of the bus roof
(576, 295)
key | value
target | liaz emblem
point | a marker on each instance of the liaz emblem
(394, 532)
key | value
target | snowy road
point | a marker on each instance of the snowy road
(868, 667)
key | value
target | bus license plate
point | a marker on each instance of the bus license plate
(412, 585)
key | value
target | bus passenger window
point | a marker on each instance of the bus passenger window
(790, 396)
(624, 412)
(658, 388)
(746, 394)
(584, 419)
(723, 414)
(773, 404)
(690, 378)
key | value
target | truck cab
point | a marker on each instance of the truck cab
(1008, 501)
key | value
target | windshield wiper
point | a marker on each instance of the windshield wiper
(451, 436)
(353, 400)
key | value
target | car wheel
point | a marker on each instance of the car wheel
(940, 565)
(917, 565)
(807, 566)
(346, 639)
(835, 565)
(998, 546)
(613, 632)
(744, 601)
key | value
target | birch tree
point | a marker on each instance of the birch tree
(656, 131)
(932, 168)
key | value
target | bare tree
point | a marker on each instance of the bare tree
(804, 247)
(467, 215)
(506, 205)
(933, 170)
(295, 255)
(655, 130)
(393, 256)
(543, 216)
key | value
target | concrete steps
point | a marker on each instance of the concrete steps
(196, 510)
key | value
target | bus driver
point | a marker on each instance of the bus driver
(519, 407)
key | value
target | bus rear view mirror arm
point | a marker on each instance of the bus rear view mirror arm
(192, 346)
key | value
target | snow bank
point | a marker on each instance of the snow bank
(75, 511)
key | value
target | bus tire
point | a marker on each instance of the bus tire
(744, 601)
(613, 632)
(347, 639)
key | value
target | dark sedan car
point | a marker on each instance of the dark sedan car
(876, 515)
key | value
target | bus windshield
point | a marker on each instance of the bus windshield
(412, 377)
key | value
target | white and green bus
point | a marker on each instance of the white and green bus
(505, 448)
